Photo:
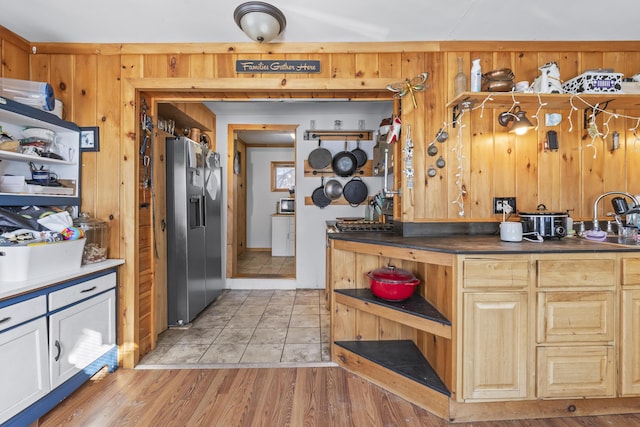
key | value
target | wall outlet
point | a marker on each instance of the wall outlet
(499, 204)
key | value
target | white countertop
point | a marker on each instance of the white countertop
(12, 289)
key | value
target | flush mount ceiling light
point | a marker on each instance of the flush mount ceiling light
(517, 122)
(261, 21)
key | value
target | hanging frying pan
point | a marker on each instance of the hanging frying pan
(361, 155)
(355, 191)
(318, 197)
(320, 157)
(344, 163)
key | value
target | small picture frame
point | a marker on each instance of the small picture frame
(90, 138)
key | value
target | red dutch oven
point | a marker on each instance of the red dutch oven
(392, 284)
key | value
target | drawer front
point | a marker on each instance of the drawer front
(575, 372)
(493, 273)
(568, 273)
(631, 271)
(575, 317)
(66, 296)
(22, 312)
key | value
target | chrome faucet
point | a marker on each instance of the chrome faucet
(596, 224)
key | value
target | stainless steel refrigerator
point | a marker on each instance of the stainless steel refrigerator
(194, 229)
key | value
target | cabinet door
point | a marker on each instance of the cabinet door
(575, 317)
(23, 367)
(630, 344)
(495, 340)
(582, 371)
(78, 335)
(279, 234)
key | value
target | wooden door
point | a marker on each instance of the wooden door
(495, 342)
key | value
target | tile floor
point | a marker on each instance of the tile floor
(262, 264)
(258, 327)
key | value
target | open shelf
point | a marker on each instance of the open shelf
(504, 100)
(415, 311)
(338, 135)
(399, 356)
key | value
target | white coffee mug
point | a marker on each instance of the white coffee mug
(511, 231)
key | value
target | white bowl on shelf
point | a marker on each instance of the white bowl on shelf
(40, 133)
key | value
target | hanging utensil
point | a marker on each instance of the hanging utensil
(320, 157)
(440, 162)
(361, 155)
(432, 150)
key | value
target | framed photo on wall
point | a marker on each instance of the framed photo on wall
(90, 138)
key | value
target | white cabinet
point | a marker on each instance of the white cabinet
(283, 235)
(23, 367)
(14, 118)
(80, 334)
(52, 339)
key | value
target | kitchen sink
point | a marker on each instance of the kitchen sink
(617, 240)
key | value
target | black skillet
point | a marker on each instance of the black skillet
(320, 157)
(355, 191)
(318, 197)
(361, 155)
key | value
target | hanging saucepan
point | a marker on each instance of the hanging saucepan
(320, 157)
(318, 197)
(344, 163)
(333, 189)
(355, 191)
(361, 155)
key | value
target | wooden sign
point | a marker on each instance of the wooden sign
(261, 66)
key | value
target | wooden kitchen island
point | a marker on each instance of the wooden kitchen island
(496, 330)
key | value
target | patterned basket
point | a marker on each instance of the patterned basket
(591, 82)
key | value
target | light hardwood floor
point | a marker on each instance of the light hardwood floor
(296, 397)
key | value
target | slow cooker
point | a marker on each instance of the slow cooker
(546, 224)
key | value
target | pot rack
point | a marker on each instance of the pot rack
(339, 135)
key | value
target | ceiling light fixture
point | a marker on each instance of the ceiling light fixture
(517, 122)
(261, 21)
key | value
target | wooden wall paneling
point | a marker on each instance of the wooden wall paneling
(179, 65)
(630, 143)
(108, 118)
(390, 66)
(342, 275)
(548, 161)
(15, 60)
(61, 78)
(568, 154)
(225, 65)
(366, 66)
(84, 93)
(343, 66)
(159, 243)
(614, 160)
(480, 186)
(367, 325)
(155, 65)
(592, 168)
(202, 66)
(412, 201)
(132, 67)
(40, 69)
(435, 202)
(627, 138)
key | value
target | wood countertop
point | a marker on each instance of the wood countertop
(482, 244)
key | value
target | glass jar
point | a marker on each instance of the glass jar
(96, 232)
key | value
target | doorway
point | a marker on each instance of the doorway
(255, 227)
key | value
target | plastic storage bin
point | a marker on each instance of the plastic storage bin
(18, 263)
(35, 94)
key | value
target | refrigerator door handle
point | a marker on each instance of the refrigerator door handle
(204, 210)
(195, 211)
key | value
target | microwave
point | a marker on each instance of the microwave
(287, 206)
